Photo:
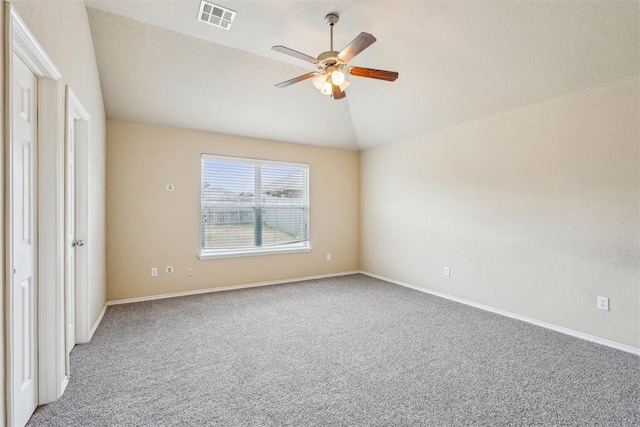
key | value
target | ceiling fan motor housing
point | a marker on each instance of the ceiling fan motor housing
(329, 59)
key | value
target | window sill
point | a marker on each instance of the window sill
(254, 252)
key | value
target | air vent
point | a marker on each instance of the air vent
(215, 15)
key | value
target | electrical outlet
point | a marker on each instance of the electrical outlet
(328, 257)
(154, 272)
(447, 272)
(169, 269)
(603, 303)
(190, 271)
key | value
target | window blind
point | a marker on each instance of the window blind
(249, 204)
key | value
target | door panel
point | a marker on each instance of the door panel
(23, 284)
(26, 193)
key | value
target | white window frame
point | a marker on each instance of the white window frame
(255, 250)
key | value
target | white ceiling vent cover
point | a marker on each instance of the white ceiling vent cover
(215, 15)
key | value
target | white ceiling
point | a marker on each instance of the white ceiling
(458, 61)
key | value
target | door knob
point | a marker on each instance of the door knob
(77, 243)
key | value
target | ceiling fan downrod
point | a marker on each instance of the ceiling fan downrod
(331, 19)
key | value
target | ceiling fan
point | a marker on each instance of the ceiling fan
(333, 66)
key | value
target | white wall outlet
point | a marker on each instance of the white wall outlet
(447, 272)
(154, 272)
(169, 269)
(328, 257)
(603, 303)
(190, 271)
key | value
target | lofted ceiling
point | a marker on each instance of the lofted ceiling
(458, 61)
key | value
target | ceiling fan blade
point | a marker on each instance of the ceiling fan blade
(295, 54)
(337, 93)
(360, 43)
(297, 79)
(371, 73)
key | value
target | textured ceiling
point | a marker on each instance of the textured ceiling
(458, 61)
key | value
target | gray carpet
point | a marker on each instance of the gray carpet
(341, 351)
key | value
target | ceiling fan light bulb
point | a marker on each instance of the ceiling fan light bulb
(326, 88)
(319, 80)
(337, 77)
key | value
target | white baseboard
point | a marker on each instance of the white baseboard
(97, 322)
(65, 383)
(540, 323)
(226, 288)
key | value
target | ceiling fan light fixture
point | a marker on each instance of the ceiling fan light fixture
(337, 77)
(319, 80)
(326, 88)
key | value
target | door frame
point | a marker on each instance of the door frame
(76, 111)
(51, 379)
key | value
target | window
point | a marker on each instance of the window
(251, 206)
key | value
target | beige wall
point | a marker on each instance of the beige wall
(62, 28)
(151, 227)
(535, 211)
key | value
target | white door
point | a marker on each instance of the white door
(23, 243)
(70, 233)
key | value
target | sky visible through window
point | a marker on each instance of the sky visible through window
(239, 177)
